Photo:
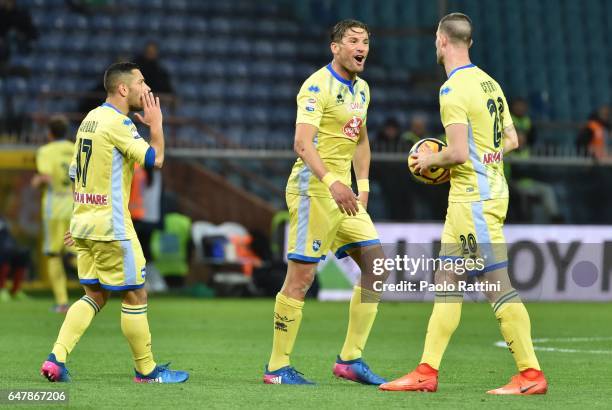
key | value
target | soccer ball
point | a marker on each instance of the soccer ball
(433, 175)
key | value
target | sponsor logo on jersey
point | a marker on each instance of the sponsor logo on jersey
(357, 106)
(310, 104)
(352, 128)
(90, 199)
(492, 157)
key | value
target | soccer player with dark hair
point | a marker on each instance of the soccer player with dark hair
(325, 214)
(479, 131)
(109, 255)
(52, 162)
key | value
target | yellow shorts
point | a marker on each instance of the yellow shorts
(115, 265)
(316, 225)
(475, 230)
(53, 236)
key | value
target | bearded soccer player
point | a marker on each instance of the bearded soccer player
(52, 162)
(479, 131)
(109, 255)
(325, 214)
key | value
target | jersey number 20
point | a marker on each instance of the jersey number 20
(85, 147)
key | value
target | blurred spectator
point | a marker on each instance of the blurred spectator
(389, 136)
(145, 209)
(595, 136)
(16, 30)
(519, 110)
(417, 131)
(154, 73)
(526, 188)
(13, 258)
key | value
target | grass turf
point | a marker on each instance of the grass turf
(225, 344)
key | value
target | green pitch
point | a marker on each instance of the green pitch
(224, 344)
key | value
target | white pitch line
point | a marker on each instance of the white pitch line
(502, 344)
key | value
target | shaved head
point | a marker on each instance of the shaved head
(458, 28)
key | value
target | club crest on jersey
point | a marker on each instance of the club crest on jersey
(314, 89)
(316, 245)
(339, 99)
(492, 157)
(445, 91)
(352, 128)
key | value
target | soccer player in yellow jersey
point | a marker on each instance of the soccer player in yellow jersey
(479, 131)
(325, 214)
(52, 162)
(109, 255)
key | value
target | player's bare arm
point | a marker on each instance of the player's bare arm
(153, 119)
(40, 179)
(510, 139)
(68, 240)
(456, 153)
(361, 164)
(305, 148)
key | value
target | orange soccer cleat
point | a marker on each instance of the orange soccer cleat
(530, 381)
(423, 378)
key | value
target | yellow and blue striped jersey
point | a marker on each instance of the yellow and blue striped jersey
(338, 108)
(470, 96)
(107, 145)
(53, 159)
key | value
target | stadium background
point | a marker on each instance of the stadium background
(235, 68)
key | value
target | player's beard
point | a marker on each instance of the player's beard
(440, 59)
(350, 67)
(135, 105)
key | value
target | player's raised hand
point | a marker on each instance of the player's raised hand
(152, 110)
(345, 198)
(68, 241)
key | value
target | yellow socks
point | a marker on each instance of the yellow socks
(442, 324)
(287, 319)
(77, 321)
(135, 328)
(57, 277)
(362, 312)
(516, 329)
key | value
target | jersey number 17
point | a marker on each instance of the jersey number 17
(85, 148)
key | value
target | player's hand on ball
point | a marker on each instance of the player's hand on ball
(345, 198)
(152, 110)
(421, 159)
(68, 241)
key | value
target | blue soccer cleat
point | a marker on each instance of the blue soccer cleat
(285, 375)
(54, 371)
(357, 371)
(162, 374)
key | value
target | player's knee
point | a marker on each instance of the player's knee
(135, 297)
(299, 280)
